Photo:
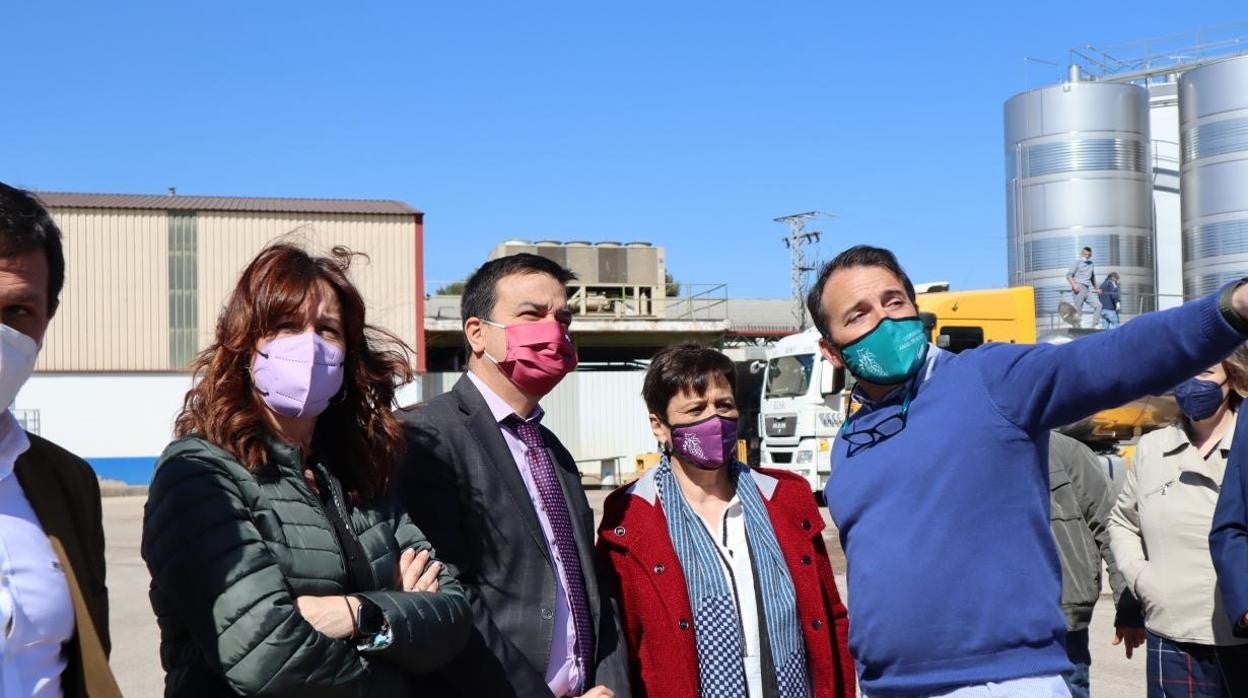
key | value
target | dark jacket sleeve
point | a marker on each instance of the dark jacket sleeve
(429, 628)
(428, 489)
(1096, 499)
(1041, 387)
(204, 551)
(1228, 540)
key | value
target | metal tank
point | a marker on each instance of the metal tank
(1077, 174)
(1213, 124)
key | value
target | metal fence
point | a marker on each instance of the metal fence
(29, 419)
(699, 302)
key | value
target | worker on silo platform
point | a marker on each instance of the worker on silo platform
(1082, 278)
(940, 492)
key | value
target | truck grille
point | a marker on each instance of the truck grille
(785, 425)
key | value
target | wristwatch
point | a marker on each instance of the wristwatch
(369, 620)
(373, 632)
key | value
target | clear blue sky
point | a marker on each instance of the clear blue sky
(689, 124)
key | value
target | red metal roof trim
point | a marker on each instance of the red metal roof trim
(249, 204)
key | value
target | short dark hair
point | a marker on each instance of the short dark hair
(857, 256)
(1113, 275)
(1087, 249)
(481, 289)
(25, 226)
(682, 367)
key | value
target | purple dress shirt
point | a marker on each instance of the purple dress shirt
(563, 673)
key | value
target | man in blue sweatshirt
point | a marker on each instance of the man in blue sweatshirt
(939, 484)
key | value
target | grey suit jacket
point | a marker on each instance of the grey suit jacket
(462, 487)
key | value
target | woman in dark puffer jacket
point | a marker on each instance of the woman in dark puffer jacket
(279, 565)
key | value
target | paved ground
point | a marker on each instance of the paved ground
(136, 641)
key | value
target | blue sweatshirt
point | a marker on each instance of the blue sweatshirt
(1228, 541)
(1110, 297)
(954, 578)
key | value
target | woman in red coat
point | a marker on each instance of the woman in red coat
(725, 584)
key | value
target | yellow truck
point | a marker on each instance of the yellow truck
(961, 320)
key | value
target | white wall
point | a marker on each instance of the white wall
(116, 415)
(598, 415)
(106, 415)
(1168, 250)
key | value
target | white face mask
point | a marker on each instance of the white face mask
(17, 361)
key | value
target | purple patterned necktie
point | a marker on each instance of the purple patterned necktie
(556, 507)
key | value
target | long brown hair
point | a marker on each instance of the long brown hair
(358, 430)
(1236, 367)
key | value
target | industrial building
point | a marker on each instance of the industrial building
(624, 311)
(620, 298)
(1143, 159)
(147, 276)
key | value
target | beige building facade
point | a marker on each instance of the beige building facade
(147, 276)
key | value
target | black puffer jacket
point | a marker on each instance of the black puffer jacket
(230, 551)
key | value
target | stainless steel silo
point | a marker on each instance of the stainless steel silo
(1077, 174)
(1213, 123)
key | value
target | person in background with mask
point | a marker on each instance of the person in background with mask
(1082, 280)
(1111, 301)
(1080, 498)
(501, 499)
(1159, 530)
(280, 566)
(940, 487)
(54, 637)
(725, 586)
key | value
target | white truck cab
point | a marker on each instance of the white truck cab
(804, 402)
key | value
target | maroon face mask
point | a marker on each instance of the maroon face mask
(539, 355)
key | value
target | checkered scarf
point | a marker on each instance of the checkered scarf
(716, 621)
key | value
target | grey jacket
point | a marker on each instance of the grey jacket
(1083, 273)
(1081, 498)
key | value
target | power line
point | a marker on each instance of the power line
(796, 241)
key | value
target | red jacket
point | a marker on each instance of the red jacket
(654, 602)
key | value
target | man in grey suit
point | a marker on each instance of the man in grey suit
(501, 500)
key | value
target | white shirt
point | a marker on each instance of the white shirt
(734, 558)
(36, 612)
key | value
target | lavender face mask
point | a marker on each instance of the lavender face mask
(298, 375)
(707, 443)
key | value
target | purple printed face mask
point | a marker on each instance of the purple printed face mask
(298, 375)
(707, 443)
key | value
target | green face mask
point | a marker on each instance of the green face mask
(889, 354)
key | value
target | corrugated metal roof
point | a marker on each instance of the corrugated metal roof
(225, 203)
(761, 316)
